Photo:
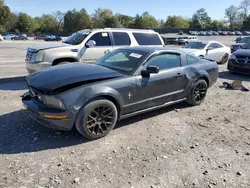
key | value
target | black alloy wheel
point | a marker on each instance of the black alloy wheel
(97, 119)
(100, 119)
(198, 93)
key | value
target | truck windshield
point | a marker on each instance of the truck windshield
(76, 38)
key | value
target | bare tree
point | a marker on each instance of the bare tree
(231, 13)
(59, 17)
(245, 6)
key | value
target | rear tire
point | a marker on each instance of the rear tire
(198, 93)
(96, 119)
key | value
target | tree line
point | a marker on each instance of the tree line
(236, 17)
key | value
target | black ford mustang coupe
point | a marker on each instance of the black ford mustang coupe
(123, 83)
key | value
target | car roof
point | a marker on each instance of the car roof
(150, 49)
(117, 29)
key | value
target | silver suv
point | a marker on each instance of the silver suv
(87, 46)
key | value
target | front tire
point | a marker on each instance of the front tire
(198, 93)
(224, 59)
(96, 119)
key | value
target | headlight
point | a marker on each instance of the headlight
(232, 57)
(40, 56)
(53, 101)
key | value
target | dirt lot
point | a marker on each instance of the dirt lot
(178, 147)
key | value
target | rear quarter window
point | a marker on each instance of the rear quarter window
(147, 39)
(191, 60)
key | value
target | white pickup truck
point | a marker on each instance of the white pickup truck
(186, 40)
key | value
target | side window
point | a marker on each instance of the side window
(101, 39)
(191, 60)
(121, 39)
(219, 45)
(165, 61)
(147, 39)
(212, 45)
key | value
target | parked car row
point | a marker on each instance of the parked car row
(25, 37)
(223, 33)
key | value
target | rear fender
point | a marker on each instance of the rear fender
(193, 75)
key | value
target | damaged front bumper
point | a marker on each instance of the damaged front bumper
(47, 116)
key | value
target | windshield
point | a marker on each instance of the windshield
(246, 46)
(76, 38)
(123, 61)
(195, 45)
(244, 40)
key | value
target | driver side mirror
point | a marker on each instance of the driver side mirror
(209, 48)
(90, 43)
(150, 70)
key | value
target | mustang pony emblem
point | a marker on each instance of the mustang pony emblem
(246, 60)
(130, 95)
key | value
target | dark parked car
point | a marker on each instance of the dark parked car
(239, 61)
(238, 39)
(181, 32)
(53, 38)
(20, 37)
(246, 33)
(238, 33)
(41, 37)
(124, 83)
(239, 44)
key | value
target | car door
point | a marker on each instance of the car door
(165, 86)
(212, 52)
(93, 53)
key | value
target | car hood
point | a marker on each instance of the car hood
(242, 52)
(191, 51)
(238, 44)
(49, 46)
(69, 76)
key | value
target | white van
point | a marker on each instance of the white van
(87, 46)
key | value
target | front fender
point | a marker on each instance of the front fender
(85, 94)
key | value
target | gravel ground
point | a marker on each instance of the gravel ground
(176, 147)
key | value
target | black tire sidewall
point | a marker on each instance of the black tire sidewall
(222, 61)
(85, 111)
(190, 97)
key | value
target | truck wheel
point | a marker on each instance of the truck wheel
(96, 119)
(198, 93)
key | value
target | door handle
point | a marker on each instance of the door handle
(178, 75)
(107, 51)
